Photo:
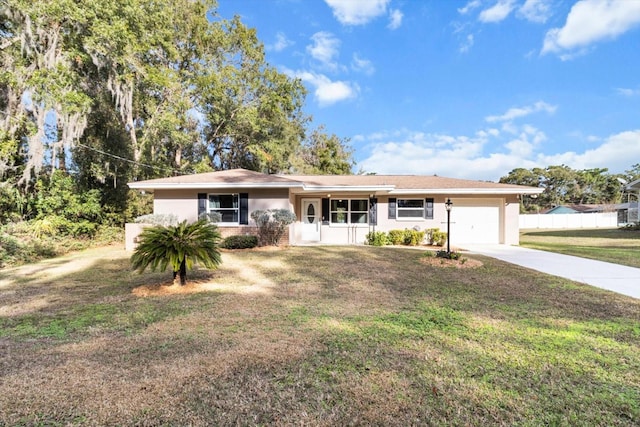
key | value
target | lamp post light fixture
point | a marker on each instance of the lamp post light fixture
(448, 205)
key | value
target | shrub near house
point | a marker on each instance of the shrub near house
(405, 237)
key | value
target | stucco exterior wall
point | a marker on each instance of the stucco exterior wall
(504, 219)
(184, 203)
(512, 221)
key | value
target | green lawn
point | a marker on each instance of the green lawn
(313, 336)
(610, 245)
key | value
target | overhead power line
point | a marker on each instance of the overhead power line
(164, 169)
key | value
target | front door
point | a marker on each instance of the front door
(311, 220)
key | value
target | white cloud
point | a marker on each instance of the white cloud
(535, 11)
(497, 12)
(590, 21)
(467, 44)
(406, 152)
(469, 7)
(357, 12)
(615, 154)
(395, 19)
(282, 42)
(327, 92)
(362, 65)
(517, 112)
(324, 48)
(628, 92)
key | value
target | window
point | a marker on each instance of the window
(226, 205)
(410, 208)
(349, 211)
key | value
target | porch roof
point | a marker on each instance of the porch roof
(634, 185)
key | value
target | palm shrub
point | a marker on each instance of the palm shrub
(179, 246)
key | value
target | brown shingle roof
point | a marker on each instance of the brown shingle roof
(410, 182)
(231, 176)
(395, 183)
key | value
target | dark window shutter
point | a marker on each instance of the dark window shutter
(244, 208)
(202, 204)
(428, 208)
(325, 211)
(373, 211)
(392, 207)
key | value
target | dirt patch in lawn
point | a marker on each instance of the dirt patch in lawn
(454, 263)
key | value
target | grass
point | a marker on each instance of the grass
(610, 245)
(314, 336)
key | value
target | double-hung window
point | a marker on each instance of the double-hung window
(349, 211)
(226, 206)
(410, 208)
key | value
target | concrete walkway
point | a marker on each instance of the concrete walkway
(617, 278)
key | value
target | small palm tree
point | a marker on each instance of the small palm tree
(178, 245)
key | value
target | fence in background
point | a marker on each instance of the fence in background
(577, 220)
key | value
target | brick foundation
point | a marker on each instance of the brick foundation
(247, 230)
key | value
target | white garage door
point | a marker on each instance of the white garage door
(475, 221)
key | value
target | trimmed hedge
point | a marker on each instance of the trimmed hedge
(405, 237)
(239, 242)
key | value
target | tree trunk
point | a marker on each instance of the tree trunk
(175, 278)
(183, 272)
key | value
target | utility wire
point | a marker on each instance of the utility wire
(128, 160)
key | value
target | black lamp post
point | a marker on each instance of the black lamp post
(448, 205)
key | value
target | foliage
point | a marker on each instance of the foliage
(436, 237)
(631, 227)
(272, 224)
(565, 186)
(377, 238)
(396, 237)
(12, 203)
(9, 248)
(157, 219)
(239, 242)
(413, 237)
(449, 255)
(323, 154)
(31, 241)
(407, 237)
(114, 92)
(178, 246)
(214, 217)
(57, 195)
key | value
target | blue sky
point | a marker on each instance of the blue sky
(468, 89)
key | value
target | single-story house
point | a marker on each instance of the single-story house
(627, 213)
(342, 209)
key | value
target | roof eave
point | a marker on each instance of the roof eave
(349, 188)
(207, 185)
(468, 191)
(634, 185)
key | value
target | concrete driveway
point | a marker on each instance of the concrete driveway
(617, 278)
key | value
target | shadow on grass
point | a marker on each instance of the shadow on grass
(340, 336)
